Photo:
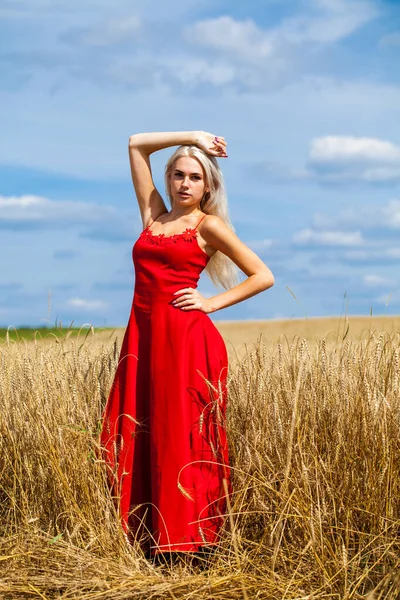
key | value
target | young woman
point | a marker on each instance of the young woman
(163, 435)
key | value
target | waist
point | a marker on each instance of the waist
(149, 297)
(153, 296)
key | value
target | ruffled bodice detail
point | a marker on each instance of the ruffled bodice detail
(157, 238)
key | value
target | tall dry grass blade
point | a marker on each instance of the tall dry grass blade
(233, 532)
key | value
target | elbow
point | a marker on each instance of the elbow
(133, 141)
(268, 280)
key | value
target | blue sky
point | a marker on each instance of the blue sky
(306, 93)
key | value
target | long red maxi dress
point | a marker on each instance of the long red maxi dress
(164, 425)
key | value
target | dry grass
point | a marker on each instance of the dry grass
(314, 432)
(239, 335)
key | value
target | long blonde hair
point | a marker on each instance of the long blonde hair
(220, 268)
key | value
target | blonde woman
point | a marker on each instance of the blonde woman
(163, 431)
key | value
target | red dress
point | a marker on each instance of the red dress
(163, 434)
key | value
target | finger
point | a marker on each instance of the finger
(188, 302)
(221, 149)
(189, 307)
(218, 151)
(183, 305)
(183, 300)
(179, 302)
(220, 144)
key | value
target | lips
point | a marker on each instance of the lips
(183, 194)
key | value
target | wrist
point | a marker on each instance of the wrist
(195, 137)
(211, 305)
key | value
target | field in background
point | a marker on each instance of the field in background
(241, 335)
(28, 334)
(314, 438)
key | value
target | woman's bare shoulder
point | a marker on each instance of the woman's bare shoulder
(212, 224)
(213, 220)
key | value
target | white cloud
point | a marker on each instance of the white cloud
(172, 72)
(386, 216)
(264, 58)
(87, 305)
(343, 159)
(93, 221)
(327, 22)
(344, 149)
(192, 71)
(240, 51)
(376, 281)
(243, 39)
(372, 255)
(31, 209)
(310, 237)
(334, 20)
(367, 236)
(346, 158)
(391, 214)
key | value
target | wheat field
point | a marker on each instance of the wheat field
(314, 436)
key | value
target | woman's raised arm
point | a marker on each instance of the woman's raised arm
(141, 145)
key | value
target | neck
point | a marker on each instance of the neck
(192, 211)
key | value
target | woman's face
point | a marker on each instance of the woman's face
(187, 182)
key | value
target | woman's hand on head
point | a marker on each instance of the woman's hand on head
(212, 144)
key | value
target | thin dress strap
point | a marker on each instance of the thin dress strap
(150, 224)
(200, 221)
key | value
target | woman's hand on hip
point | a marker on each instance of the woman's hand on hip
(191, 299)
(212, 144)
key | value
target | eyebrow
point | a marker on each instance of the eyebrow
(179, 171)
